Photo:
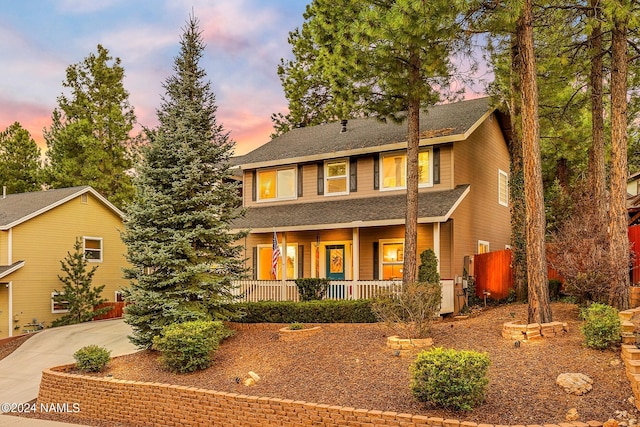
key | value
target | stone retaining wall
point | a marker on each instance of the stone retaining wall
(521, 331)
(631, 353)
(155, 404)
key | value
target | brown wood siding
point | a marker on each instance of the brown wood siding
(480, 216)
(365, 178)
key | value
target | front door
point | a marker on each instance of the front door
(335, 262)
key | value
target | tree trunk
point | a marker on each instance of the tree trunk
(597, 174)
(409, 270)
(516, 180)
(539, 303)
(619, 243)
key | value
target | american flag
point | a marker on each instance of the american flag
(275, 255)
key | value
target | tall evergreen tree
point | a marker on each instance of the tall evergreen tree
(89, 141)
(177, 231)
(378, 57)
(20, 164)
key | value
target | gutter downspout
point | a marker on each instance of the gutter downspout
(9, 262)
(10, 309)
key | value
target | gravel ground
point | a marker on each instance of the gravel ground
(350, 365)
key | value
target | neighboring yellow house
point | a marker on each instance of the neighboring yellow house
(36, 232)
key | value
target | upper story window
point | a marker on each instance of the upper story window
(394, 170)
(503, 188)
(336, 177)
(277, 184)
(93, 249)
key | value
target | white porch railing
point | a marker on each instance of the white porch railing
(279, 290)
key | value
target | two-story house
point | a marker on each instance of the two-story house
(334, 194)
(37, 230)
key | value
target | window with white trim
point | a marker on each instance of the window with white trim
(393, 171)
(483, 247)
(503, 188)
(277, 184)
(118, 296)
(265, 253)
(336, 177)
(58, 306)
(92, 248)
(391, 259)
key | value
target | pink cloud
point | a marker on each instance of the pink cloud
(32, 117)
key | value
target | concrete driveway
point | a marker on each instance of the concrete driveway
(20, 372)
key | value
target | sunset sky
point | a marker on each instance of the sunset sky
(245, 40)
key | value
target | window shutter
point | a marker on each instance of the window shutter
(320, 179)
(436, 165)
(254, 267)
(299, 181)
(353, 175)
(376, 173)
(376, 266)
(254, 186)
(300, 261)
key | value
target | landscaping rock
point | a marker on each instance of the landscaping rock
(572, 415)
(575, 383)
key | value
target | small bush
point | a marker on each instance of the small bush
(428, 269)
(325, 311)
(450, 378)
(188, 346)
(601, 327)
(92, 358)
(296, 326)
(410, 313)
(312, 289)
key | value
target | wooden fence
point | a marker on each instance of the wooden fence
(117, 310)
(493, 274)
(634, 244)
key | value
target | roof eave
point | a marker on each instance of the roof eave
(15, 266)
(369, 150)
(61, 202)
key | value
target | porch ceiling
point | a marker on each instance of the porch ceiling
(434, 206)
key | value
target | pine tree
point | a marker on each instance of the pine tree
(180, 245)
(20, 165)
(88, 141)
(78, 294)
(380, 58)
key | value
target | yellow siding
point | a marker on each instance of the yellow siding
(44, 241)
(4, 311)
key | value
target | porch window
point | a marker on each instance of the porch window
(392, 259)
(264, 262)
(503, 188)
(483, 247)
(277, 184)
(394, 170)
(92, 249)
(336, 177)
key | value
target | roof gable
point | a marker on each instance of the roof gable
(453, 121)
(18, 208)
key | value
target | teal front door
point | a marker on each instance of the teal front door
(335, 262)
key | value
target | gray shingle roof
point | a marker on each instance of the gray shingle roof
(449, 119)
(361, 211)
(8, 269)
(15, 207)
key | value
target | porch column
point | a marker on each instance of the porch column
(355, 255)
(283, 266)
(436, 242)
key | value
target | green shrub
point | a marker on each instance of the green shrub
(188, 346)
(325, 311)
(92, 358)
(601, 327)
(450, 378)
(428, 269)
(311, 289)
(410, 313)
(296, 326)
